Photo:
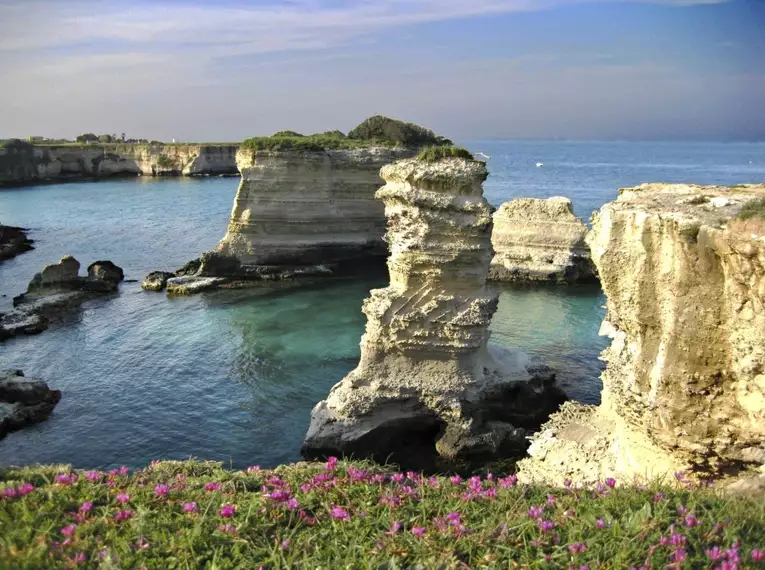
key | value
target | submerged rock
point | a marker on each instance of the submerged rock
(540, 240)
(684, 385)
(23, 401)
(57, 288)
(428, 386)
(13, 241)
(191, 284)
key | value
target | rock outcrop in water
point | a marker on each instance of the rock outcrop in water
(540, 240)
(23, 401)
(13, 241)
(57, 288)
(684, 386)
(24, 163)
(428, 383)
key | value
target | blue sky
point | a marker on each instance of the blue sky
(470, 69)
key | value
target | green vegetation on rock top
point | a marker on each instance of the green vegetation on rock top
(436, 153)
(360, 515)
(375, 131)
(753, 209)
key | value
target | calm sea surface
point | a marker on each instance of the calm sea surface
(233, 375)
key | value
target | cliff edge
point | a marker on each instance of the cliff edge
(683, 270)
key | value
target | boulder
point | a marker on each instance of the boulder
(156, 280)
(429, 387)
(61, 275)
(103, 276)
(24, 401)
(13, 241)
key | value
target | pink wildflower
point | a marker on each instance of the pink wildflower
(545, 526)
(86, 507)
(419, 531)
(715, 553)
(93, 476)
(292, 504)
(124, 470)
(658, 497)
(253, 469)
(66, 478)
(551, 500)
(394, 528)
(340, 513)
(142, 544)
(25, 489)
(190, 507)
(122, 498)
(577, 548)
(306, 487)
(758, 555)
(535, 512)
(79, 558)
(455, 479)
(600, 523)
(212, 486)
(69, 530)
(227, 511)
(227, 529)
(161, 490)
(285, 544)
(9, 493)
(331, 463)
(611, 482)
(691, 521)
(123, 516)
(433, 482)
(397, 477)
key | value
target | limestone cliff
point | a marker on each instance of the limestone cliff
(308, 207)
(428, 383)
(540, 240)
(684, 386)
(23, 163)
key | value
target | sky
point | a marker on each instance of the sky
(225, 70)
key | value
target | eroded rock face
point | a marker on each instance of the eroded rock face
(428, 383)
(540, 240)
(57, 288)
(23, 401)
(156, 280)
(308, 208)
(684, 387)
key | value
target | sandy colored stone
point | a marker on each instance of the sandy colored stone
(684, 386)
(428, 383)
(308, 208)
(540, 240)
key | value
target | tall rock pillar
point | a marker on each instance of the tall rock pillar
(428, 383)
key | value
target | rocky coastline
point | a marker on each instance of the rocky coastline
(683, 270)
(23, 163)
(24, 401)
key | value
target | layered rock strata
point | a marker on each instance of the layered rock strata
(13, 241)
(23, 401)
(23, 163)
(684, 386)
(302, 208)
(56, 289)
(428, 384)
(540, 240)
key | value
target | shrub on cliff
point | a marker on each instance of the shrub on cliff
(16, 144)
(287, 134)
(753, 209)
(360, 515)
(436, 153)
(385, 129)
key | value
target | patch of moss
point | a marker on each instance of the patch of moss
(753, 209)
(165, 161)
(436, 153)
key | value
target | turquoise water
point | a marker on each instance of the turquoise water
(233, 375)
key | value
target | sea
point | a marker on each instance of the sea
(232, 376)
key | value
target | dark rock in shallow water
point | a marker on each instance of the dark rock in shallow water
(214, 264)
(13, 241)
(57, 288)
(156, 280)
(24, 401)
(191, 268)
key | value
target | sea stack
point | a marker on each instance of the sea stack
(429, 387)
(540, 240)
(683, 270)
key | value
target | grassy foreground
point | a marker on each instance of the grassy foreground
(358, 515)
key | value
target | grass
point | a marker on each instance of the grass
(360, 515)
(436, 153)
(308, 143)
(753, 209)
